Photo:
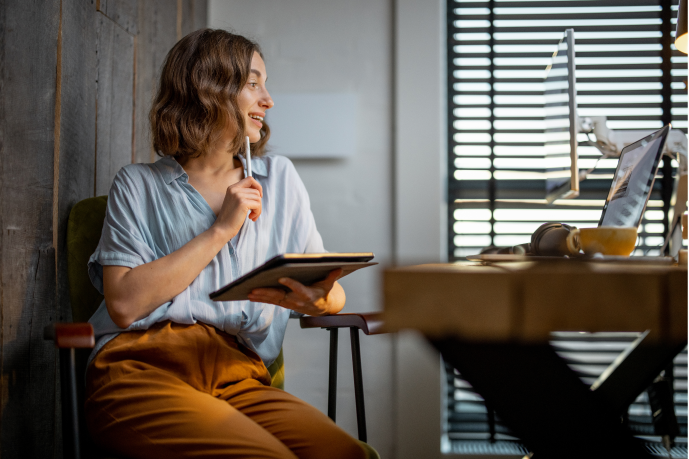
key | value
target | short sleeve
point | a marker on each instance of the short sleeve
(307, 222)
(126, 239)
(314, 242)
(304, 228)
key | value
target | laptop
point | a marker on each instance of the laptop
(633, 181)
(629, 192)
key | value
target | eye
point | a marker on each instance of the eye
(253, 84)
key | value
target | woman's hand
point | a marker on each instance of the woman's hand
(321, 298)
(240, 198)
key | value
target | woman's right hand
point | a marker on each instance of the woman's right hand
(240, 198)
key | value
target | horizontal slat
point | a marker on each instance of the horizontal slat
(496, 125)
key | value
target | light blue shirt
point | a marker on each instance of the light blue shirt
(153, 211)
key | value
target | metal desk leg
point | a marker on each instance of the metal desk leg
(634, 371)
(542, 400)
(332, 375)
(358, 384)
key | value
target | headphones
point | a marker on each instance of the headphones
(550, 239)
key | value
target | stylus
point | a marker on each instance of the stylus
(248, 157)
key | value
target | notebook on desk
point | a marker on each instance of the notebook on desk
(626, 201)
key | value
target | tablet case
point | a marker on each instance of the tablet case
(305, 268)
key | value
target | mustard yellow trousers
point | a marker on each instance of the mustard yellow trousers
(191, 391)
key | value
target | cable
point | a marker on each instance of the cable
(584, 174)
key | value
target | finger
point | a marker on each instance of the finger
(329, 281)
(255, 213)
(297, 287)
(267, 295)
(266, 291)
(253, 183)
(251, 202)
(246, 193)
(277, 297)
(248, 182)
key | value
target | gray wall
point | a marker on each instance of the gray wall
(76, 79)
(421, 203)
(320, 47)
(388, 198)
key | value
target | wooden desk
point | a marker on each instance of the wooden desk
(503, 314)
(526, 301)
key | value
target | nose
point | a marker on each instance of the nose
(266, 102)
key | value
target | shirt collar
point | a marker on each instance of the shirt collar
(258, 167)
(172, 170)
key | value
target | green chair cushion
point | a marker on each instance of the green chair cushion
(370, 452)
(277, 372)
(84, 228)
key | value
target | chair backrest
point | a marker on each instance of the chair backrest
(84, 229)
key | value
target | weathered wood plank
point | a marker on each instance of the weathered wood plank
(200, 14)
(157, 23)
(123, 12)
(115, 51)
(28, 63)
(194, 15)
(77, 126)
(77, 141)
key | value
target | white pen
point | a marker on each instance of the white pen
(248, 156)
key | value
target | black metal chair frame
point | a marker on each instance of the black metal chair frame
(370, 324)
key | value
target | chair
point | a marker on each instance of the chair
(75, 340)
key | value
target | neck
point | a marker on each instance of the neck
(215, 161)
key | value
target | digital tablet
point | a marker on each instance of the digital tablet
(306, 268)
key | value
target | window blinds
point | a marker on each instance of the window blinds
(626, 70)
(497, 54)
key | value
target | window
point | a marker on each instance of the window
(628, 70)
(497, 54)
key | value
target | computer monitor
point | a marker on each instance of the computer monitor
(561, 124)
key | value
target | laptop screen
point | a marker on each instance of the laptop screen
(633, 181)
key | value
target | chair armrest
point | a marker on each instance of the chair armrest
(70, 335)
(370, 324)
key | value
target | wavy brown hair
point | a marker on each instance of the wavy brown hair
(197, 97)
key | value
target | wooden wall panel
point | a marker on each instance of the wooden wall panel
(193, 16)
(122, 12)
(27, 259)
(200, 14)
(67, 124)
(76, 160)
(157, 34)
(77, 126)
(115, 51)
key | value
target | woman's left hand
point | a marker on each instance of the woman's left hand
(318, 299)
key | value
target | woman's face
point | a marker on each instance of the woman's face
(254, 99)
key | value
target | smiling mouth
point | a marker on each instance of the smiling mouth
(256, 117)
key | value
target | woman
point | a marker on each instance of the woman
(174, 374)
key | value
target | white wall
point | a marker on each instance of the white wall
(388, 198)
(314, 46)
